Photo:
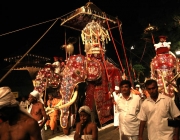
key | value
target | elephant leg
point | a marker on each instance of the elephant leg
(66, 130)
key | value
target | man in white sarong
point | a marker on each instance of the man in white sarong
(115, 96)
(86, 129)
(15, 122)
(37, 110)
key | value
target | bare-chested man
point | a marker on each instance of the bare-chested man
(15, 122)
(86, 129)
(37, 110)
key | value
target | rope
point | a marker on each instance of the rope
(35, 25)
(120, 31)
(79, 46)
(143, 52)
(115, 46)
(135, 54)
(27, 51)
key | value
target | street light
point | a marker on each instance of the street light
(177, 52)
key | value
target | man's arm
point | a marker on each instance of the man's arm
(176, 133)
(33, 129)
(94, 132)
(44, 116)
(77, 132)
(141, 129)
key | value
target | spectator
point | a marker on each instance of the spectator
(128, 106)
(115, 96)
(37, 110)
(86, 129)
(155, 111)
(24, 103)
(15, 122)
(52, 102)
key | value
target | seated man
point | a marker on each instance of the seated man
(52, 102)
(15, 122)
(86, 129)
(162, 47)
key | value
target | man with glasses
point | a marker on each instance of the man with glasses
(155, 111)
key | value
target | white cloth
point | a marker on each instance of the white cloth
(128, 110)
(56, 64)
(37, 95)
(86, 137)
(85, 109)
(116, 88)
(156, 115)
(125, 137)
(162, 44)
(116, 113)
(24, 104)
(7, 98)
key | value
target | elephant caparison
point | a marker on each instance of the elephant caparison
(99, 75)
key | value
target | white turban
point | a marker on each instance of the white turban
(36, 94)
(138, 86)
(116, 88)
(85, 109)
(7, 98)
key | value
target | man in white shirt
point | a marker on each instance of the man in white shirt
(56, 65)
(24, 103)
(115, 96)
(128, 106)
(155, 111)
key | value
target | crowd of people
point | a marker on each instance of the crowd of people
(139, 108)
(134, 109)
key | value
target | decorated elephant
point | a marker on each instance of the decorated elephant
(165, 69)
(99, 80)
(99, 75)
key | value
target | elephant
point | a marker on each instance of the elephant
(100, 78)
(99, 75)
(46, 78)
(165, 69)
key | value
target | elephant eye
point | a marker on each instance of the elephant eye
(78, 72)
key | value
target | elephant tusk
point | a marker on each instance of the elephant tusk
(60, 106)
(71, 101)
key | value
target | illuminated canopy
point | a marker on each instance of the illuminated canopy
(85, 14)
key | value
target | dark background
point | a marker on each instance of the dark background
(135, 16)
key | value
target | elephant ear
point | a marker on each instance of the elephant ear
(94, 71)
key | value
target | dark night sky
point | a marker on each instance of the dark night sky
(16, 15)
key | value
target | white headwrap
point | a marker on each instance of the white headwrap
(85, 109)
(7, 98)
(138, 86)
(36, 94)
(116, 88)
